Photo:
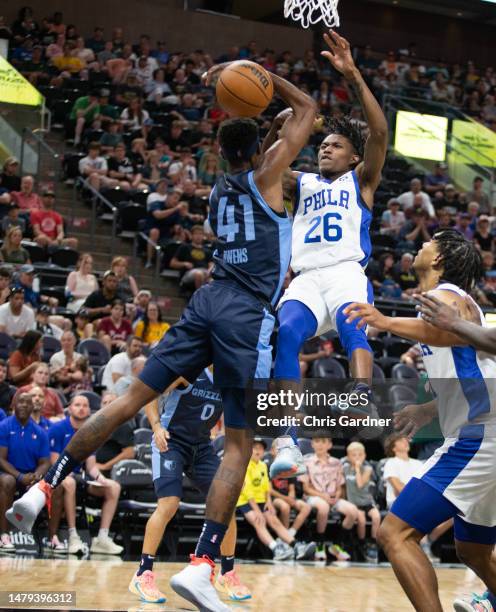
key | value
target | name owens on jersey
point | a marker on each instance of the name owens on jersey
(331, 223)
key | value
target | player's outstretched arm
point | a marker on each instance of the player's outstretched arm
(368, 171)
(293, 136)
(469, 329)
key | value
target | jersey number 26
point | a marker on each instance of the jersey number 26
(330, 231)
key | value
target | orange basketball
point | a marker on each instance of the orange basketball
(244, 89)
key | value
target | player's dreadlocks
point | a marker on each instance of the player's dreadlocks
(350, 129)
(238, 139)
(459, 258)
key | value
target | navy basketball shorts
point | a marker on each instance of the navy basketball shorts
(222, 325)
(423, 507)
(198, 461)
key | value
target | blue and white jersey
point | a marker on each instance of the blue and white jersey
(464, 382)
(253, 241)
(189, 414)
(331, 223)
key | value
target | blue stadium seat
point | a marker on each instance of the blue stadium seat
(7, 345)
(96, 352)
(50, 346)
(93, 398)
(401, 371)
(328, 368)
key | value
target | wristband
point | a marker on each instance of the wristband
(19, 477)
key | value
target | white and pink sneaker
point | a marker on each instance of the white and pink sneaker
(194, 583)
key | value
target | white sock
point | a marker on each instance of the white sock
(72, 531)
(292, 532)
(36, 497)
(272, 545)
(103, 533)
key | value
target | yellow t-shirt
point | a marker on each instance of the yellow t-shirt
(154, 332)
(256, 485)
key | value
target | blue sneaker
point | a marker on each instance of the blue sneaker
(288, 461)
(479, 603)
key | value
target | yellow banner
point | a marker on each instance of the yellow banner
(421, 136)
(473, 143)
(15, 89)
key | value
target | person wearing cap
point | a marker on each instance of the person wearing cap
(94, 168)
(482, 236)
(12, 219)
(99, 303)
(463, 226)
(449, 199)
(31, 295)
(43, 324)
(141, 302)
(10, 180)
(15, 317)
(48, 225)
(393, 219)
(108, 112)
(26, 199)
(84, 112)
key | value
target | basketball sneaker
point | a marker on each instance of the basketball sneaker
(479, 603)
(282, 551)
(145, 588)
(25, 510)
(105, 546)
(76, 545)
(337, 551)
(320, 553)
(230, 584)
(6, 543)
(304, 550)
(56, 546)
(288, 461)
(194, 583)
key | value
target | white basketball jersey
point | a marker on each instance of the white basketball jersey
(331, 223)
(464, 382)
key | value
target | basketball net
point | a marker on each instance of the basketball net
(310, 12)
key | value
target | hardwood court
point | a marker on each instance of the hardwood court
(102, 585)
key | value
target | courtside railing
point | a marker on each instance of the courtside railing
(157, 248)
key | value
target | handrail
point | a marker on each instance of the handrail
(37, 135)
(97, 196)
(158, 251)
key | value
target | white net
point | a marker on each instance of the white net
(310, 12)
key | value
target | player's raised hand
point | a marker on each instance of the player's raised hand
(367, 315)
(207, 77)
(339, 53)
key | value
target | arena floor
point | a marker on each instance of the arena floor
(102, 585)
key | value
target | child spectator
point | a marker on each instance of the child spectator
(255, 504)
(193, 260)
(399, 468)
(323, 485)
(358, 476)
(12, 219)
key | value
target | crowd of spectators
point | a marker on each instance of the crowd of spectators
(143, 124)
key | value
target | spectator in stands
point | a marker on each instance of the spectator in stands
(43, 324)
(97, 42)
(193, 260)
(7, 391)
(98, 303)
(5, 195)
(32, 296)
(449, 199)
(383, 277)
(81, 282)
(52, 408)
(314, 349)
(106, 54)
(438, 180)
(477, 195)
(83, 113)
(48, 225)
(157, 89)
(255, 505)
(415, 232)
(151, 327)
(124, 382)
(154, 170)
(463, 226)
(323, 485)
(9, 179)
(413, 357)
(26, 358)
(24, 459)
(27, 199)
(120, 364)
(15, 317)
(114, 330)
(210, 170)
(443, 221)
(111, 136)
(196, 198)
(94, 168)
(404, 275)
(60, 435)
(392, 219)
(24, 25)
(12, 251)
(67, 64)
(38, 396)
(82, 328)
(399, 467)
(119, 446)
(410, 200)
(5, 278)
(122, 169)
(127, 287)
(62, 360)
(80, 377)
(162, 214)
(482, 236)
(134, 115)
(358, 474)
(12, 219)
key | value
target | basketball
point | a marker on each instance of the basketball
(244, 89)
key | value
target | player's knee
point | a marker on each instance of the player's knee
(474, 556)
(387, 536)
(289, 337)
(351, 337)
(7, 483)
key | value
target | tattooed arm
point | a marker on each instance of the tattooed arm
(368, 170)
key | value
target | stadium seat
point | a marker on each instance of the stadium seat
(143, 436)
(7, 345)
(143, 422)
(377, 346)
(143, 453)
(129, 216)
(400, 395)
(218, 444)
(378, 373)
(93, 398)
(65, 257)
(168, 252)
(328, 368)
(36, 253)
(96, 352)
(401, 371)
(70, 165)
(50, 346)
(396, 347)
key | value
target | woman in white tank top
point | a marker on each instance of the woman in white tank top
(81, 282)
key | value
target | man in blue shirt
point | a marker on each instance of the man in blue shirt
(24, 458)
(60, 435)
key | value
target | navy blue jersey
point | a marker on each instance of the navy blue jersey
(189, 414)
(253, 241)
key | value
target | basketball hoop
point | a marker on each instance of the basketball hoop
(310, 12)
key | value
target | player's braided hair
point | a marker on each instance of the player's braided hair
(238, 139)
(350, 129)
(459, 258)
